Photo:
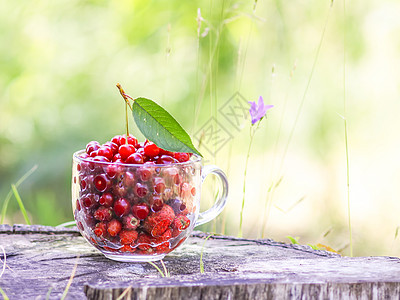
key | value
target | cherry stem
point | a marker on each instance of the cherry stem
(125, 96)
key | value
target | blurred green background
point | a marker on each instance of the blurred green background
(60, 61)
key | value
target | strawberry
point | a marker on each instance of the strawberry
(181, 222)
(144, 241)
(127, 237)
(114, 227)
(103, 214)
(158, 222)
(127, 248)
(100, 229)
(162, 242)
(130, 222)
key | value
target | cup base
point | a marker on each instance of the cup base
(133, 258)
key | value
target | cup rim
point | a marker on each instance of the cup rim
(194, 159)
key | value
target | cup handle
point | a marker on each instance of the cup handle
(220, 203)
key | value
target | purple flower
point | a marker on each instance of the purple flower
(257, 112)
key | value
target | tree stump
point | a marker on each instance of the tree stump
(40, 261)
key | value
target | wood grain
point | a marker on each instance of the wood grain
(40, 258)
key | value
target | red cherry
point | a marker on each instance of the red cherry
(106, 199)
(100, 158)
(113, 146)
(145, 173)
(193, 191)
(88, 201)
(140, 190)
(106, 152)
(131, 140)
(151, 149)
(113, 170)
(140, 211)
(93, 153)
(181, 156)
(129, 179)
(157, 203)
(125, 150)
(121, 207)
(101, 182)
(159, 184)
(117, 158)
(92, 146)
(166, 159)
(120, 190)
(165, 152)
(134, 158)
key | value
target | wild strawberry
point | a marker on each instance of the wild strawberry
(181, 222)
(140, 211)
(127, 248)
(158, 222)
(162, 242)
(121, 207)
(130, 222)
(114, 227)
(103, 214)
(127, 237)
(100, 229)
(144, 241)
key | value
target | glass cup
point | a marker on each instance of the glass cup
(140, 212)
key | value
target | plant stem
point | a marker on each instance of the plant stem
(252, 131)
(201, 255)
(70, 279)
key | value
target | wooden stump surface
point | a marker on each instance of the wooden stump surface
(40, 260)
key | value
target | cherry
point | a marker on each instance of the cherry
(101, 182)
(131, 140)
(116, 140)
(113, 146)
(113, 170)
(145, 173)
(181, 156)
(140, 190)
(93, 153)
(157, 203)
(92, 146)
(121, 207)
(88, 201)
(141, 211)
(129, 179)
(159, 184)
(125, 150)
(135, 158)
(106, 199)
(166, 159)
(100, 158)
(151, 149)
(116, 157)
(120, 190)
(106, 152)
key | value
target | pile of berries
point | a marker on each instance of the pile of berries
(134, 197)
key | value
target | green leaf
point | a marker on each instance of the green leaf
(158, 126)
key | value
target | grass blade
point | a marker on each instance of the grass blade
(165, 269)
(67, 224)
(8, 197)
(21, 205)
(4, 294)
(128, 289)
(70, 279)
(158, 269)
(201, 255)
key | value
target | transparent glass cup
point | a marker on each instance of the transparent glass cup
(140, 212)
